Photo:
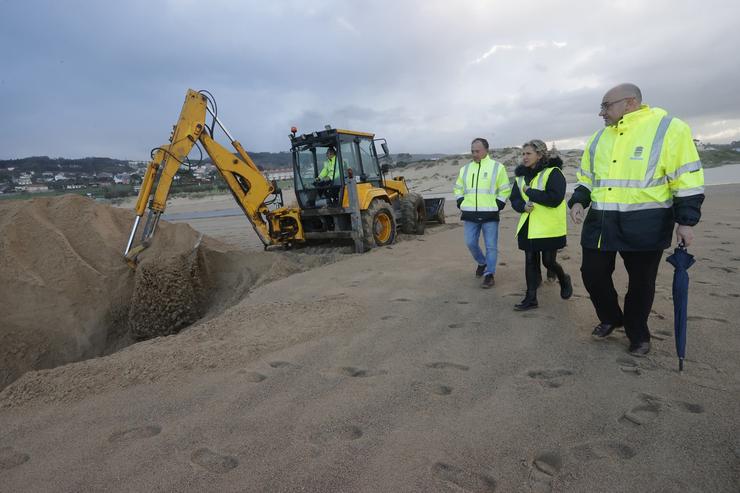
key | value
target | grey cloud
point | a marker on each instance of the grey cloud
(104, 78)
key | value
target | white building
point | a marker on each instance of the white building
(279, 174)
(25, 178)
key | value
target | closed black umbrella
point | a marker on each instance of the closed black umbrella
(681, 261)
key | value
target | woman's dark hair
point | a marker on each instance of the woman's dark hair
(483, 142)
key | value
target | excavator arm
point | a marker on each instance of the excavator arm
(247, 184)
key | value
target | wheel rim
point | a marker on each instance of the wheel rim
(382, 229)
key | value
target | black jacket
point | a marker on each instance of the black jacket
(552, 196)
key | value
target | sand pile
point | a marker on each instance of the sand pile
(67, 295)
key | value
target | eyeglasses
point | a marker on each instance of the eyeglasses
(609, 104)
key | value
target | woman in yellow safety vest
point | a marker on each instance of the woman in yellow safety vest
(538, 195)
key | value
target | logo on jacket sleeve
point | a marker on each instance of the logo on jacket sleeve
(637, 156)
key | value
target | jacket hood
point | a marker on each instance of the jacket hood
(553, 162)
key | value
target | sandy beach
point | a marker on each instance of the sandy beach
(389, 371)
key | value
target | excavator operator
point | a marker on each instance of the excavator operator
(327, 182)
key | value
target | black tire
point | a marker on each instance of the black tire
(378, 225)
(413, 214)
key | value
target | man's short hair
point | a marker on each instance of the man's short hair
(483, 142)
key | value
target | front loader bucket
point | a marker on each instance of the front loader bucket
(435, 209)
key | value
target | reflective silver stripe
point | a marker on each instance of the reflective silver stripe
(486, 194)
(657, 147)
(465, 176)
(540, 179)
(688, 191)
(587, 174)
(480, 209)
(686, 168)
(615, 206)
(631, 183)
(496, 167)
(592, 151)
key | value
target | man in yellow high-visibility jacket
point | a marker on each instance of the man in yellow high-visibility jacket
(640, 175)
(481, 190)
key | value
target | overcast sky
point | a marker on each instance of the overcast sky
(108, 78)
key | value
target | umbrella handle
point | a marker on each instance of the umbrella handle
(682, 245)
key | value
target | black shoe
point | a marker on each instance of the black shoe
(551, 276)
(480, 270)
(603, 329)
(566, 288)
(526, 305)
(639, 349)
(488, 281)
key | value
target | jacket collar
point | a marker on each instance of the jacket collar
(486, 161)
(638, 116)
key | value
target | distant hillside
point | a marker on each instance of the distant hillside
(89, 165)
(715, 155)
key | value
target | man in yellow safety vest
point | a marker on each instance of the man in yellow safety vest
(640, 175)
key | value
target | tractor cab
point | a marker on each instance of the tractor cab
(324, 161)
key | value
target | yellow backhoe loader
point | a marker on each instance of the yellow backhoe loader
(344, 197)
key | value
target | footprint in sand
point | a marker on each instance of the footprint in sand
(694, 318)
(135, 433)
(537, 315)
(544, 467)
(462, 479)
(603, 450)
(643, 413)
(212, 461)
(628, 365)
(10, 458)
(404, 300)
(661, 335)
(550, 378)
(284, 364)
(463, 302)
(689, 407)
(725, 295)
(446, 365)
(387, 317)
(352, 371)
(729, 270)
(333, 433)
(456, 326)
(434, 388)
(250, 376)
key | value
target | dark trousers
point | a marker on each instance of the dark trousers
(532, 271)
(642, 269)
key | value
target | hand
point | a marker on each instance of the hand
(684, 234)
(528, 207)
(577, 213)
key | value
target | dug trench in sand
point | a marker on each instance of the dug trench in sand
(67, 294)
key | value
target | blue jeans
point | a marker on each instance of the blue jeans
(490, 238)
